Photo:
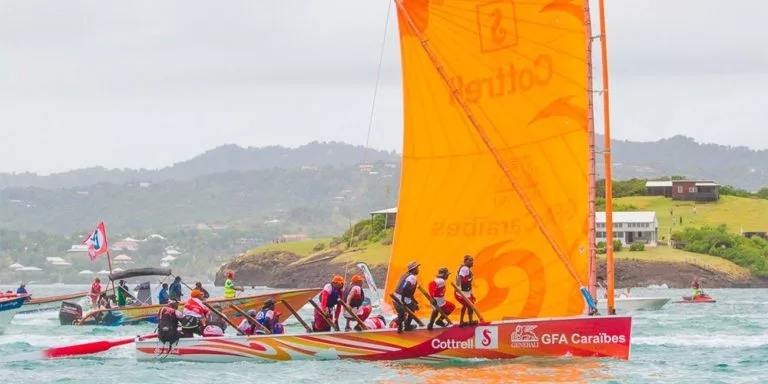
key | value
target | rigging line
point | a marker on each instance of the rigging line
(376, 86)
(481, 132)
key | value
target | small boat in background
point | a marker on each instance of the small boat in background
(50, 303)
(702, 298)
(9, 306)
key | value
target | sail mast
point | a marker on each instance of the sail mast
(592, 265)
(607, 155)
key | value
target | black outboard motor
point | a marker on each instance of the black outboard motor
(69, 313)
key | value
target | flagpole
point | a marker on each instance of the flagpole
(109, 265)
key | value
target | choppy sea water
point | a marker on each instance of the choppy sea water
(725, 342)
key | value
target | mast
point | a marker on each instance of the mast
(607, 155)
(592, 263)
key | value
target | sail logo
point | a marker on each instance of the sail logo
(486, 338)
(497, 22)
(525, 336)
(506, 80)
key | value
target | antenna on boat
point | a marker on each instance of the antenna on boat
(609, 271)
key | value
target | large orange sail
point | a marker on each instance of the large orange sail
(520, 66)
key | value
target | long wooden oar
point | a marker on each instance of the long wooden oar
(216, 311)
(251, 319)
(431, 299)
(400, 303)
(354, 315)
(466, 300)
(73, 350)
(327, 320)
(296, 315)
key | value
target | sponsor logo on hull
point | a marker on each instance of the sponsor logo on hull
(524, 336)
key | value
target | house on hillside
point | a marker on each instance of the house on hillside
(630, 227)
(685, 190)
(390, 216)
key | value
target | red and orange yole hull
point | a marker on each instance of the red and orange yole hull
(578, 337)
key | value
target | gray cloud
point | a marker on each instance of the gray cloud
(145, 83)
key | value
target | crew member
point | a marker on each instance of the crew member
(377, 322)
(123, 293)
(246, 327)
(95, 292)
(175, 289)
(277, 326)
(354, 297)
(695, 287)
(329, 303)
(464, 281)
(437, 291)
(22, 290)
(406, 287)
(229, 286)
(168, 323)
(199, 287)
(194, 313)
(266, 316)
(163, 297)
(214, 326)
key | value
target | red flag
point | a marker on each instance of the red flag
(97, 242)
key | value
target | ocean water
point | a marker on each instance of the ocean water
(725, 342)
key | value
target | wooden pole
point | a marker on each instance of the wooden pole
(109, 265)
(429, 298)
(296, 314)
(354, 315)
(607, 154)
(416, 318)
(251, 319)
(327, 320)
(591, 179)
(469, 303)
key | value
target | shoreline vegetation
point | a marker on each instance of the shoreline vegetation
(721, 259)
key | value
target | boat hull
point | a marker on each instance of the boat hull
(51, 303)
(630, 304)
(579, 337)
(8, 308)
(148, 313)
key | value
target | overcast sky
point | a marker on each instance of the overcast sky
(149, 83)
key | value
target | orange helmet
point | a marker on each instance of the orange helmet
(196, 293)
(357, 279)
(337, 279)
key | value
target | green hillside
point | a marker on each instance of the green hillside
(735, 212)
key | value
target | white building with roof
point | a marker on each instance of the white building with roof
(630, 227)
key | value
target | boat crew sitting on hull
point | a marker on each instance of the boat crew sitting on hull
(168, 319)
(464, 281)
(406, 288)
(354, 297)
(376, 322)
(437, 291)
(265, 317)
(329, 303)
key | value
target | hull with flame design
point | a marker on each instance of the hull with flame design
(508, 339)
(148, 313)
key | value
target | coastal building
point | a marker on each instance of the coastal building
(630, 227)
(685, 190)
(390, 216)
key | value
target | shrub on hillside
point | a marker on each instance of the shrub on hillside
(635, 247)
(318, 247)
(751, 253)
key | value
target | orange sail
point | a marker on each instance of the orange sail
(512, 189)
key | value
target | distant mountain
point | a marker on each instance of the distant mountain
(225, 158)
(316, 201)
(680, 155)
